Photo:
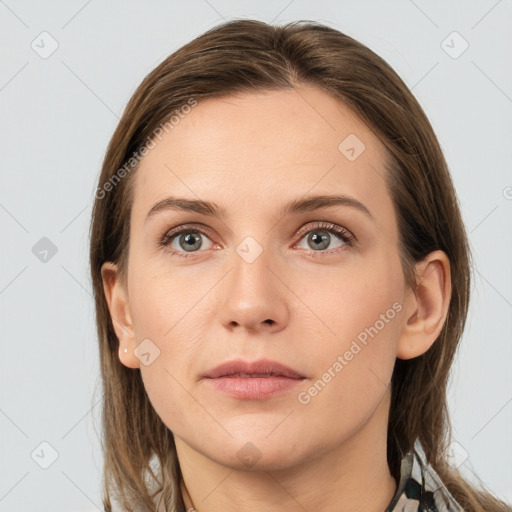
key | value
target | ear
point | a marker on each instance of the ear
(117, 300)
(426, 306)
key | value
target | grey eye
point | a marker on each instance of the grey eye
(319, 239)
(189, 241)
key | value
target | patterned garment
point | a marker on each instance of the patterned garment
(420, 489)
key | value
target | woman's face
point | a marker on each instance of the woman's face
(261, 280)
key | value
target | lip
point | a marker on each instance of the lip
(258, 380)
(262, 366)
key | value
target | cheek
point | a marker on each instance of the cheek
(361, 313)
(171, 310)
(348, 303)
(162, 301)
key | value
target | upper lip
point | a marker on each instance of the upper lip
(260, 367)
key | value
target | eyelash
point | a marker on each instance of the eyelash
(348, 238)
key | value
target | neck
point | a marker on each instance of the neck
(349, 477)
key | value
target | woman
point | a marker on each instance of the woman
(281, 277)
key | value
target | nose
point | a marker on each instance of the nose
(254, 299)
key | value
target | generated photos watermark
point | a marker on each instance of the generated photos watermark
(144, 149)
(304, 397)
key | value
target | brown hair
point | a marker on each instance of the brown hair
(248, 56)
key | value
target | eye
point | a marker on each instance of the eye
(320, 237)
(185, 240)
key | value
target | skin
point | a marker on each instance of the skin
(251, 154)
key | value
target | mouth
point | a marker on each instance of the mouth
(255, 369)
(253, 380)
(255, 375)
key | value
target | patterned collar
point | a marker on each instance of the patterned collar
(420, 489)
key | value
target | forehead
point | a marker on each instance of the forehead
(268, 147)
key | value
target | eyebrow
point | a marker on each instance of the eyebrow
(301, 205)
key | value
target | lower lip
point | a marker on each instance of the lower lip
(253, 388)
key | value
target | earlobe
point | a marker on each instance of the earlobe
(118, 305)
(426, 306)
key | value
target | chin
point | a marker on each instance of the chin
(259, 453)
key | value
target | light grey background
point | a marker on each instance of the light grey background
(57, 116)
